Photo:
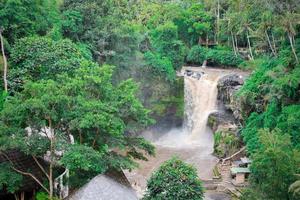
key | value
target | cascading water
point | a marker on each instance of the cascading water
(200, 100)
(192, 143)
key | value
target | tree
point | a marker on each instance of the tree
(9, 179)
(165, 41)
(174, 180)
(26, 18)
(43, 118)
(4, 61)
(288, 22)
(36, 58)
(268, 171)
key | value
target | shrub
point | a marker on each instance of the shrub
(223, 57)
(174, 180)
(197, 55)
(217, 56)
(160, 65)
(165, 41)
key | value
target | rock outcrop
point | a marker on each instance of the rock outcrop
(226, 122)
(227, 89)
(219, 121)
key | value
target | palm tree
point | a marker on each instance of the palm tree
(288, 22)
(265, 27)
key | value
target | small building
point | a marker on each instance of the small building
(240, 174)
(25, 163)
(110, 186)
(245, 161)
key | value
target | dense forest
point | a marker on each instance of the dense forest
(95, 73)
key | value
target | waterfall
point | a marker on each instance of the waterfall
(200, 98)
(192, 143)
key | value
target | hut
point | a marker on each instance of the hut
(240, 175)
(24, 163)
(110, 186)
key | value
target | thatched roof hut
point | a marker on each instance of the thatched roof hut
(23, 163)
(110, 186)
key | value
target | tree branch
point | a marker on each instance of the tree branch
(40, 166)
(24, 173)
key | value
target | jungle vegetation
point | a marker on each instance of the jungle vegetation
(102, 70)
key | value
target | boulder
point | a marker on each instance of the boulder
(227, 88)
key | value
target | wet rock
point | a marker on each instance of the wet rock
(222, 121)
(227, 88)
(188, 72)
(225, 123)
(194, 74)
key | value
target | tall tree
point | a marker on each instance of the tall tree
(4, 61)
(47, 114)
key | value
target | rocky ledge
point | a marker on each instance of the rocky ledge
(225, 123)
(227, 89)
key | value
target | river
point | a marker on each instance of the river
(193, 142)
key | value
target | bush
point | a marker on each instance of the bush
(218, 56)
(274, 164)
(160, 65)
(165, 41)
(197, 55)
(174, 180)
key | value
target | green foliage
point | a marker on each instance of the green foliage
(44, 196)
(165, 41)
(194, 23)
(174, 180)
(220, 57)
(161, 65)
(9, 179)
(26, 18)
(89, 105)
(37, 58)
(197, 55)
(85, 104)
(251, 194)
(80, 157)
(288, 121)
(268, 169)
(225, 143)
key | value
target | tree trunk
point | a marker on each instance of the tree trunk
(270, 44)
(293, 48)
(236, 43)
(204, 64)
(16, 197)
(22, 196)
(199, 40)
(249, 45)
(52, 154)
(4, 62)
(274, 44)
(233, 44)
(51, 181)
(218, 22)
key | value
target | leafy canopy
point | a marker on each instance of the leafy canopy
(174, 180)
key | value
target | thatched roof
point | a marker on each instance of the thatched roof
(23, 163)
(110, 186)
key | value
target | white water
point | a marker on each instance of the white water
(192, 143)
